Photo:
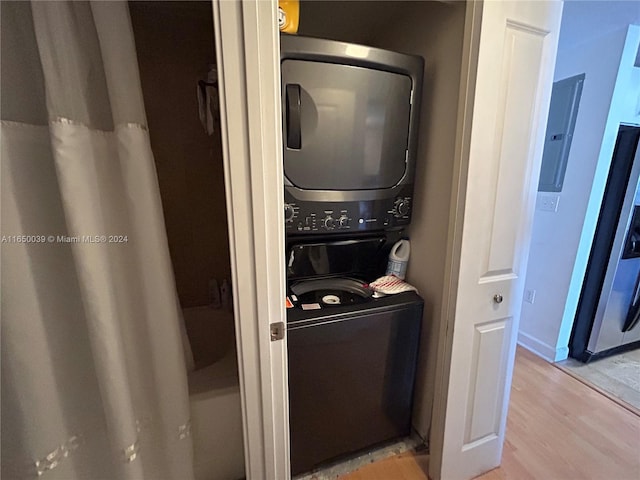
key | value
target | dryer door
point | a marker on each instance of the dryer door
(345, 127)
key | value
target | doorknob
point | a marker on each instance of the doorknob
(497, 298)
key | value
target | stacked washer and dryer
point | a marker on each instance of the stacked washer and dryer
(350, 118)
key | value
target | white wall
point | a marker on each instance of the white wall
(562, 240)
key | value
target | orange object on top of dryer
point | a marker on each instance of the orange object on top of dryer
(288, 15)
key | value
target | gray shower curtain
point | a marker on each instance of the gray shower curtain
(93, 370)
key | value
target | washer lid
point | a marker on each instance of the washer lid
(339, 284)
(331, 292)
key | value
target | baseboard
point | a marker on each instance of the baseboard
(549, 353)
(562, 353)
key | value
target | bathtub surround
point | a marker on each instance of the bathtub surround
(210, 332)
(214, 395)
(94, 380)
(175, 46)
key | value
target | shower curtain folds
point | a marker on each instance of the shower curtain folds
(93, 367)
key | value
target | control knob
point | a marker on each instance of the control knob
(343, 221)
(329, 222)
(401, 207)
(289, 212)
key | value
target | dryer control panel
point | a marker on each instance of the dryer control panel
(313, 217)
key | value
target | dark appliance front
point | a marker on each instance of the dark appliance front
(361, 256)
(351, 377)
(352, 357)
(350, 117)
(608, 315)
(350, 120)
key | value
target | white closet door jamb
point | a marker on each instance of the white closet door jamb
(248, 53)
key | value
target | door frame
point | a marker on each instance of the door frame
(248, 58)
(247, 47)
(470, 54)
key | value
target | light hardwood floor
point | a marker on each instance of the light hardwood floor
(557, 429)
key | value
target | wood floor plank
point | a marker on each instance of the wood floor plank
(558, 429)
(406, 466)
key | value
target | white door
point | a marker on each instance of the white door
(516, 56)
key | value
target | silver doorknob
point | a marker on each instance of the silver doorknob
(497, 298)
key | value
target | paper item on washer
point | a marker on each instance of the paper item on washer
(390, 284)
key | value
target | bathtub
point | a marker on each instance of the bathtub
(214, 395)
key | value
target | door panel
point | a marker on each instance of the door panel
(486, 381)
(516, 55)
(515, 100)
